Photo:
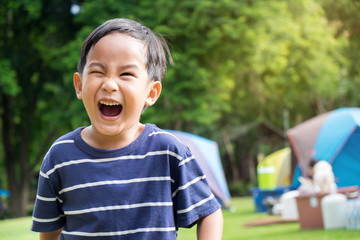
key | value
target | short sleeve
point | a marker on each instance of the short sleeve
(192, 197)
(47, 215)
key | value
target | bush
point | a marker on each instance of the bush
(240, 188)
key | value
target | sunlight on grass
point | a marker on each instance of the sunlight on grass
(243, 212)
(16, 229)
(234, 220)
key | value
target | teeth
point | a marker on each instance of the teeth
(109, 103)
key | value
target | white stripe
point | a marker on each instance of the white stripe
(174, 155)
(188, 184)
(63, 141)
(49, 199)
(131, 157)
(103, 234)
(186, 160)
(164, 132)
(59, 142)
(43, 175)
(46, 199)
(44, 220)
(182, 162)
(196, 205)
(161, 132)
(113, 182)
(119, 207)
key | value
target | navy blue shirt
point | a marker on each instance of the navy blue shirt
(146, 190)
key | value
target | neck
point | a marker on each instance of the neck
(95, 139)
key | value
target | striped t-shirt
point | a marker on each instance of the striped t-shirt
(145, 190)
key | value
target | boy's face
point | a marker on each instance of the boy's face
(114, 85)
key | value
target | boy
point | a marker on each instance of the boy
(119, 178)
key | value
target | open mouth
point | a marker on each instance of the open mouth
(110, 109)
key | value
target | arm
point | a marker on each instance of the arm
(55, 235)
(210, 227)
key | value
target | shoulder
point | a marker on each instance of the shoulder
(64, 145)
(65, 141)
(67, 138)
(165, 139)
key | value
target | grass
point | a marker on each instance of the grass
(18, 228)
(15, 229)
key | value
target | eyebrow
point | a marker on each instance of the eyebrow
(121, 68)
(96, 64)
(129, 66)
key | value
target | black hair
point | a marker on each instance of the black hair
(313, 162)
(157, 48)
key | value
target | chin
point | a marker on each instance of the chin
(110, 131)
(107, 130)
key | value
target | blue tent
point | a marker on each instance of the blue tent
(338, 142)
(334, 137)
(207, 154)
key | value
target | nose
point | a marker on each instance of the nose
(110, 85)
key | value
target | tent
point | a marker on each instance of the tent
(333, 137)
(207, 154)
(274, 170)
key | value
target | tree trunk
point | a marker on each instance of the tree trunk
(231, 156)
(19, 197)
(16, 161)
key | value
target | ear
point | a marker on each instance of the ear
(154, 93)
(78, 85)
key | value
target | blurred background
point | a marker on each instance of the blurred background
(245, 72)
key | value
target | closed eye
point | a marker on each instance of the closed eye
(96, 72)
(127, 74)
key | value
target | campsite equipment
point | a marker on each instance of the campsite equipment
(262, 197)
(288, 205)
(207, 154)
(352, 214)
(273, 174)
(266, 176)
(333, 210)
(274, 170)
(334, 137)
(309, 210)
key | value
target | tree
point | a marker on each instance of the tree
(192, 90)
(343, 15)
(291, 61)
(33, 96)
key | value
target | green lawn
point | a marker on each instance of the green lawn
(19, 229)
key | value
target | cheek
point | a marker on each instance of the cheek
(135, 91)
(89, 95)
(135, 97)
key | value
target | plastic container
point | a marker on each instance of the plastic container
(260, 196)
(333, 211)
(352, 214)
(288, 205)
(266, 176)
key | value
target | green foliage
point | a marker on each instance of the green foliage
(343, 15)
(33, 94)
(240, 188)
(293, 60)
(8, 82)
(236, 61)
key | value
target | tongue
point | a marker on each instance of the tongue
(110, 110)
